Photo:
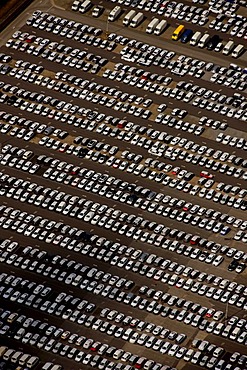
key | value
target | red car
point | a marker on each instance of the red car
(206, 175)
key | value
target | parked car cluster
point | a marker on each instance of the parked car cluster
(78, 348)
(87, 215)
(141, 198)
(12, 356)
(59, 308)
(116, 252)
(171, 152)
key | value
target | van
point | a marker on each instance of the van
(33, 360)
(8, 354)
(178, 32)
(160, 27)
(228, 48)
(24, 359)
(128, 18)
(173, 279)
(47, 366)
(220, 364)
(112, 314)
(152, 25)
(57, 367)
(188, 355)
(129, 297)
(133, 359)
(204, 40)
(95, 361)
(238, 51)
(3, 349)
(92, 271)
(186, 36)
(195, 38)
(114, 13)
(16, 356)
(136, 20)
(85, 6)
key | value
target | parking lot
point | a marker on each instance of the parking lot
(123, 184)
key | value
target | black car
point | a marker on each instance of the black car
(233, 265)
(213, 42)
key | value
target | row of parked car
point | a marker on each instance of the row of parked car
(64, 55)
(126, 40)
(91, 248)
(236, 173)
(239, 84)
(112, 314)
(233, 141)
(18, 357)
(120, 195)
(8, 149)
(93, 287)
(44, 291)
(232, 106)
(31, 133)
(171, 279)
(182, 65)
(79, 348)
(134, 18)
(165, 211)
(235, 26)
(121, 262)
(125, 262)
(87, 184)
(193, 14)
(173, 350)
(180, 68)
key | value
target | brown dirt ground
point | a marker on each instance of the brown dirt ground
(9, 9)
